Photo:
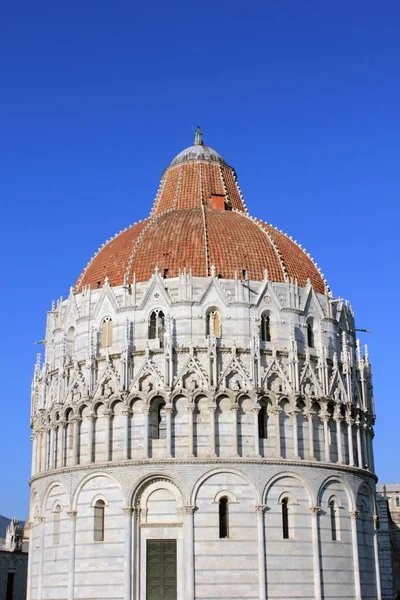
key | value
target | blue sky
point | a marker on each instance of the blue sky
(96, 98)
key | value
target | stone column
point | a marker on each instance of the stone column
(191, 408)
(91, 419)
(356, 562)
(146, 412)
(277, 411)
(169, 409)
(33, 464)
(359, 449)
(51, 435)
(212, 410)
(128, 554)
(350, 423)
(261, 551)
(72, 548)
(30, 555)
(255, 410)
(371, 452)
(127, 413)
(293, 414)
(315, 547)
(188, 512)
(376, 557)
(107, 416)
(364, 445)
(61, 443)
(135, 553)
(235, 441)
(310, 414)
(42, 521)
(324, 416)
(338, 421)
(75, 443)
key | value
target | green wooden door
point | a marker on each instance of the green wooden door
(161, 570)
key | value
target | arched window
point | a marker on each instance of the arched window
(263, 423)
(162, 422)
(70, 342)
(213, 324)
(285, 519)
(56, 528)
(332, 511)
(106, 333)
(157, 326)
(265, 328)
(223, 518)
(310, 332)
(98, 527)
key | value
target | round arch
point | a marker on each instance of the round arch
(215, 471)
(88, 478)
(292, 474)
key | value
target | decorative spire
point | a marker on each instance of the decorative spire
(198, 137)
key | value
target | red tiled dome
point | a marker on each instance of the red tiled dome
(199, 220)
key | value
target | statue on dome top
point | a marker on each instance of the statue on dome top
(198, 137)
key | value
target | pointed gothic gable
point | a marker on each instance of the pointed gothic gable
(273, 370)
(149, 370)
(71, 313)
(77, 386)
(267, 294)
(52, 393)
(308, 374)
(156, 286)
(191, 367)
(108, 374)
(311, 303)
(235, 367)
(107, 302)
(336, 383)
(214, 291)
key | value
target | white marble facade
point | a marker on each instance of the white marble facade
(159, 399)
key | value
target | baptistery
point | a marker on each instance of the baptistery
(202, 420)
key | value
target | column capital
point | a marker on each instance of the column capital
(234, 407)
(354, 514)
(146, 409)
(187, 509)
(309, 413)
(324, 415)
(169, 409)
(276, 410)
(315, 510)
(256, 409)
(191, 407)
(260, 508)
(294, 412)
(41, 519)
(127, 510)
(126, 412)
(107, 413)
(77, 419)
(72, 514)
(212, 408)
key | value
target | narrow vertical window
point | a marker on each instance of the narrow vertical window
(70, 341)
(48, 447)
(98, 530)
(162, 422)
(265, 328)
(157, 326)
(332, 511)
(310, 333)
(106, 333)
(223, 518)
(397, 501)
(10, 586)
(262, 423)
(285, 519)
(56, 528)
(213, 324)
